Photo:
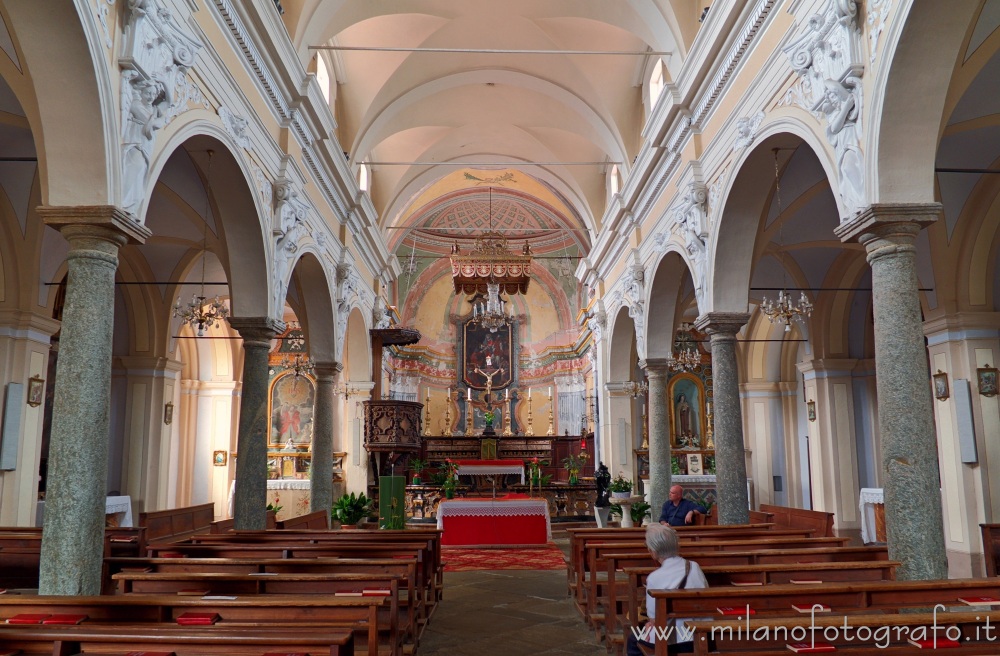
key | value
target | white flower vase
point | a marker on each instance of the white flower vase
(621, 495)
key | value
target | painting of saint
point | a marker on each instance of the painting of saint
(479, 344)
(686, 410)
(291, 404)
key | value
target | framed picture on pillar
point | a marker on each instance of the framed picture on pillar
(987, 379)
(941, 391)
(219, 458)
(36, 391)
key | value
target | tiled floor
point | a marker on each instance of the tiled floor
(512, 612)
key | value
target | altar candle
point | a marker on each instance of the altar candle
(708, 407)
(449, 394)
(470, 393)
(529, 392)
(550, 391)
(489, 361)
(506, 394)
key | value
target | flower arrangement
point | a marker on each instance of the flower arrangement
(534, 468)
(450, 469)
(574, 465)
(489, 416)
(416, 466)
(620, 484)
(274, 507)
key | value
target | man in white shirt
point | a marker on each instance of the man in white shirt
(674, 573)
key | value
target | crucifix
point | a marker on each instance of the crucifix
(488, 375)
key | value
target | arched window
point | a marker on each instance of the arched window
(364, 179)
(656, 83)
(323, 77)
(614, 181)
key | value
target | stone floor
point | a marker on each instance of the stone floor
(509, 613)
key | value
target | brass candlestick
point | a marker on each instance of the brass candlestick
(447, 415)
(552, 429)
(530, 430)
(427, 414)
(709, 442)
(468, 415)
(645, 432)
(507, 432)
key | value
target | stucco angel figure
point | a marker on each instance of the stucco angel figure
(144, 105)
(841, 103)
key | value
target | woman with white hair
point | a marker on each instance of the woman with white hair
(674, 573)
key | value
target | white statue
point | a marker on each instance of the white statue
(144, 104)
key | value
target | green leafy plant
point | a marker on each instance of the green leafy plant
(416, 466)
(675, 466)
(639, 511)
(350, 509)
(274, 507)
(488, 416)
(620, 484)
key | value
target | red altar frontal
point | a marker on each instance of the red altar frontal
(503, 521)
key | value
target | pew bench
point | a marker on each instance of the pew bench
(51, 640)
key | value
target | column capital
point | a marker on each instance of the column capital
(108, 221)
(328, 368)
(257, 329)
(655, 367)
(882, 220)
(722, 323)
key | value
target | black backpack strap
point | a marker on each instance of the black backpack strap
(687, 570)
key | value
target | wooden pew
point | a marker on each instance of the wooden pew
(177, 523)
(254, 583)
(821, 522)
(882, 634)
(316, 521)
(843, 598)
(360, 614)
(991, 547)
(52, 640)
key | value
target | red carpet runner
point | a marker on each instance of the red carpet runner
(466, 560)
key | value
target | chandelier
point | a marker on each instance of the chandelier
(635, 389)
(489, 313)
(686, 360)
(199, 313)
(784, 309)
(300, 365)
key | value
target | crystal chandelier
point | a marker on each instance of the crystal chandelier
(784, 309)
(489, 313)
(300, 365)
(635, 389)
(686, 360)
(199, 313)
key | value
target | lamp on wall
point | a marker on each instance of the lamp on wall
(198, 313)
(783, 309)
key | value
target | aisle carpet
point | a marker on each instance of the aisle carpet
(547, 556)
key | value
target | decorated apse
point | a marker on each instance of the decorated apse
(541, 351)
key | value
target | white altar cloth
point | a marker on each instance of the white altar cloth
(120, 507)
(869, 497)
(490, 468)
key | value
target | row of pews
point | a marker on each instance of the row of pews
(775, 590)
(185, 585)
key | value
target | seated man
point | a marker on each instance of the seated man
(674, 573)
(678, 511)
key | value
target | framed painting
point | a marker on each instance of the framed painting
(686, 399)
(36, 391)
(290, 407)
(941, 391)
(987, 379)
(478, 345)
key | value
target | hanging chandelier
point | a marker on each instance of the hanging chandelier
(199, 313)
(686, 360)
(635, 389)
(489, 313)
(300, 365)
(784, 309)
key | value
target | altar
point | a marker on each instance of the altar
(490, 468)
(292, 494)
(504, 521)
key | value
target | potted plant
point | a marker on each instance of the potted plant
(450, 479)
(349, 509)
(574, 465)
(489, 417)
(621, 487)
(416, 466)
(639, 511)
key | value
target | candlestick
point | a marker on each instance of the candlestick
(530, 429)
(550, 391)
(507, 432)
(468, 415)
(427, 414)
(446, 430)
(552, 428)
(506, 394)
(470, 393)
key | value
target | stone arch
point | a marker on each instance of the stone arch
(671, 274)
(908, 98)
(734, 241)
(62, 57)
(357, 348)
(243, 221)
(317, 315)
(621, 347)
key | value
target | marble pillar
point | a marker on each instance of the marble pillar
(913, 515)
(250, 500)
(73, 534)
(659, 435)
(321, 470)
(730, 453)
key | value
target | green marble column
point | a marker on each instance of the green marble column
(659, 435)
(324, 425)
(913, 513)
(730, 453)
(250, 500)
(73, 534)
